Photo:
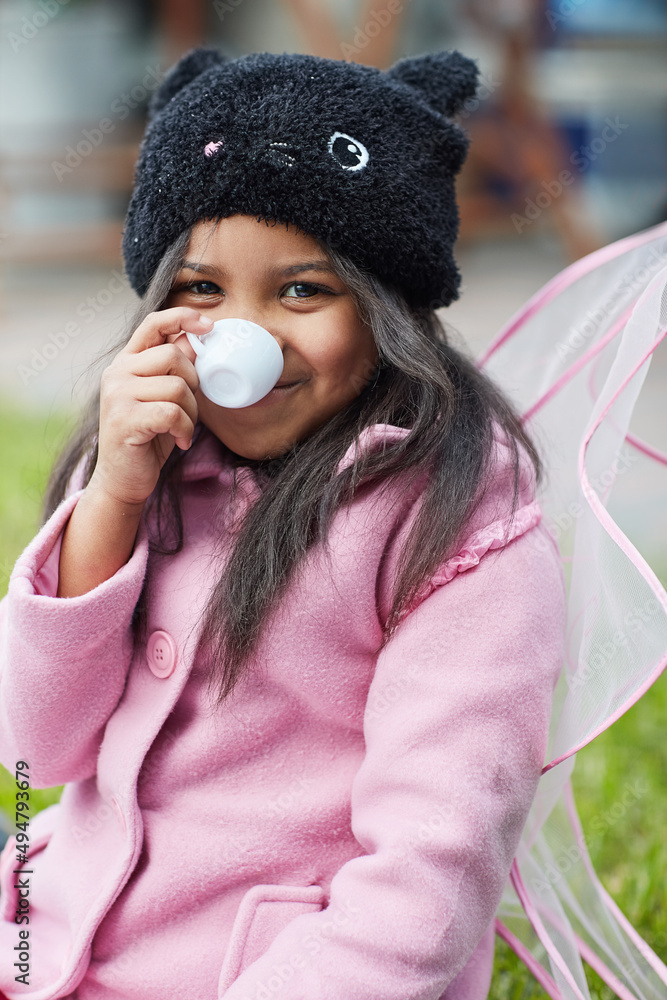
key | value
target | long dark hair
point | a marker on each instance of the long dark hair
(421, 382)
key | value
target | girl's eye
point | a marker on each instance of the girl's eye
(303, 290)
(194, 286)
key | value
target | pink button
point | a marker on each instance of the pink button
(161, 654)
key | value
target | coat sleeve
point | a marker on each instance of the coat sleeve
(63, 661)
(455, 730)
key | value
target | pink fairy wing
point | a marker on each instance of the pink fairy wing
(574, 360)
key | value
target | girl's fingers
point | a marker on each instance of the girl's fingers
(158, 326)
(163, 417)
(184, 345)
(165, 359)
(169, 388)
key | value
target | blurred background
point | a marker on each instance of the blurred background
(574, 86)
(568, 153)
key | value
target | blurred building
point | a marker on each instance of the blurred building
(76, 76)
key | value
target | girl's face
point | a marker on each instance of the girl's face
(281, 280)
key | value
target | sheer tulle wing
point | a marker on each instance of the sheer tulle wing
(574, 360)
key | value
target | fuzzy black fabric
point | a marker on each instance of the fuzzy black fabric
(361, 158)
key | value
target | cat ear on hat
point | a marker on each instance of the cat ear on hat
(187, 69)
(446, 80)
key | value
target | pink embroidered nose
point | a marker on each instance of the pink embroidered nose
(212, 147)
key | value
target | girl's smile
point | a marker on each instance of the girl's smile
(282, 280)
(278, 393)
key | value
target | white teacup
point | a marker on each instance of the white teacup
(237, 362)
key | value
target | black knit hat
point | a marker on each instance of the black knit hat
(361, 158)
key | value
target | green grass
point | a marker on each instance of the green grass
(631, 856)
(29, 444)
(628, 848)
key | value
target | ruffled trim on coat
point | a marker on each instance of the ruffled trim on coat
(492, 536)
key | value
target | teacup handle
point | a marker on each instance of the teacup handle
(195, 342)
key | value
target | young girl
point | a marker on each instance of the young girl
(294, 662)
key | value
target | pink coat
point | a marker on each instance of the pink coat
(343, 826)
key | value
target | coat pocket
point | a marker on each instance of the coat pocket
(262, 914)
(40, 830)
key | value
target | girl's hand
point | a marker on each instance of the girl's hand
(147, 405)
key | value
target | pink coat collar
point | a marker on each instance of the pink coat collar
(208, 459)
